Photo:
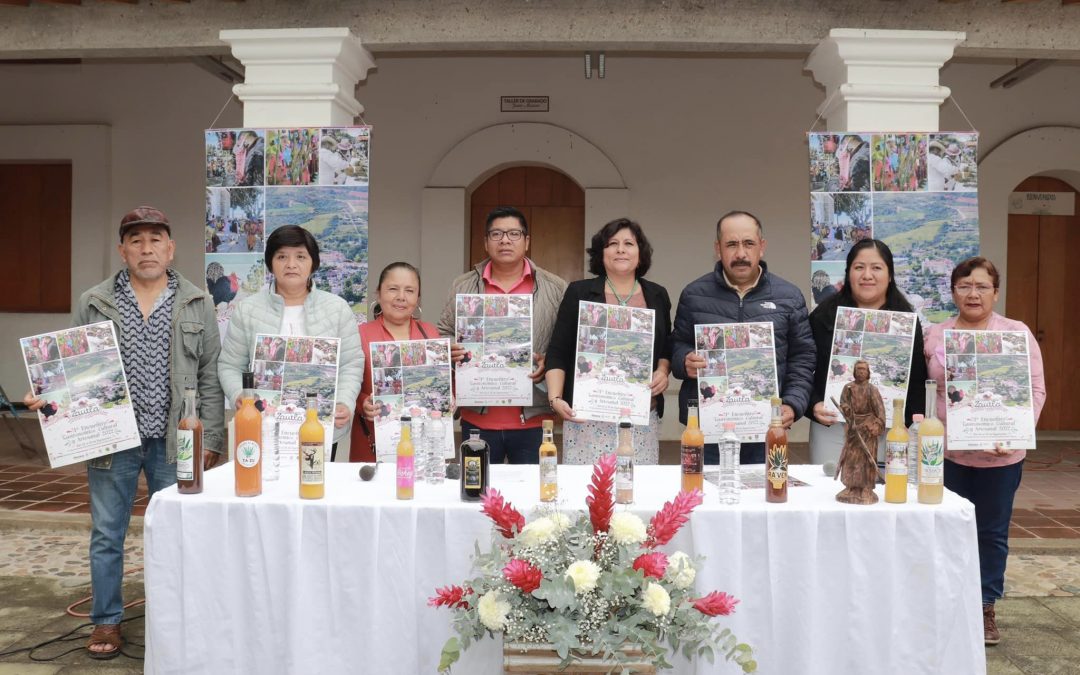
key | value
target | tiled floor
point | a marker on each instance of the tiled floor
(36, 488)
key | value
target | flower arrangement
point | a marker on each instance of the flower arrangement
(590, 585)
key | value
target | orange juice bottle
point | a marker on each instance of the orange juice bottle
(312, 452)
(693, 450)
(896, 444)
(248, 423)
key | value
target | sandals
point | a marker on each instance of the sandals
(105, 634)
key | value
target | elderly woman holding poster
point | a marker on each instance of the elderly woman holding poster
(869, 283)
(620, 256)
(991, 477)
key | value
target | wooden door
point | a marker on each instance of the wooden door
(554, 206)
(1041, 294)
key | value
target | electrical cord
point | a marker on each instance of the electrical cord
(71, 636)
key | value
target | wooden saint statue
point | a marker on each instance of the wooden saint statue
(864, 411)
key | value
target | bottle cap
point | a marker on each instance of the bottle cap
(549, 425)
(692, 403)
(917, 418)
(248, 379)
(405, 418)
(436, 414)
(313, 394)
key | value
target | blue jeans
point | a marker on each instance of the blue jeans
(991, 490)
(113, 480)
(521, 446)
(749, 453)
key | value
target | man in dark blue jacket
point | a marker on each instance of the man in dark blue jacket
(741, 289)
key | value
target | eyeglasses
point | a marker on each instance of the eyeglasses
(981, 289)
(512, 235)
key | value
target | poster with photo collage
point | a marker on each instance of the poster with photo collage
(739, 379)
(917, 192)
(613, 362)
(258, 180)
(496, 332)
(408, 375)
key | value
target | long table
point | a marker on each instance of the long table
(276, 584)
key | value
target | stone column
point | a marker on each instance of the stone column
(299, 76)
(882, 80)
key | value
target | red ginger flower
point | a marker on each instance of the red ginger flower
(601, 504)
(450, 596)
(524, 575)
(715, 604)
(652, 564)
(674, 514)
(507, 519)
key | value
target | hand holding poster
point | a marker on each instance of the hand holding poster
(988, 390)
(79, 375)
(405, 375)
(286, 368)
(613, 362)
(882, 339)
(496, 332)
(739, 380)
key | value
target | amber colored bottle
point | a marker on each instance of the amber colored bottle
(693, 450)
(896, 449)
(248, 423)
(189, 448)
(776, 456)
(549, 464)
(312, 452)
(624, 460)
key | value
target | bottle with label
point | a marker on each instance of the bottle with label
(549, 464)
(475, 456)
(896, 444)
(624, 460)
(435, 434)
(913, 450)
(248, 424)
(693, 450)
(312, 452)
(730, 446)
(189, 448)
(406, 460)
(776, 456)
(271, 455)
(931, 451)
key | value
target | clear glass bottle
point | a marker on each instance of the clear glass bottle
(913, 450)
(931, 451)
(730, 446)
(271, 451)
(435, 432)
(189, 447)
(420, 442)
(624, 460)
(549, 464)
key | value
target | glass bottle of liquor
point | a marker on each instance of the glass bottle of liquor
(896, 444)
(406, 460)
(312, 452)
(693, 450)
(248, 424)
(475, 456)
(624, 460)
(776, 456)
(913, 450)
(931, 451)
(189, 447)
(549, 464)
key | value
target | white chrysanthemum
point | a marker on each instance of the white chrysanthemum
(656, 599)
(584, 574)
(537, 532)
(493, 610)
(562, 521)
(626, 528)
(681, 570)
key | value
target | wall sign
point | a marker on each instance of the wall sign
(1042, 203)
(524, 103)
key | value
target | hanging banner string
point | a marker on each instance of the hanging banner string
(823, 109)
(966, 118)
(213, 125)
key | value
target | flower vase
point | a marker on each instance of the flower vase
(537, 658)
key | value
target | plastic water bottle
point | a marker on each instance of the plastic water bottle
(913, 450)
(435, 437)
(730, 445)
(419, 423)
(271, 457)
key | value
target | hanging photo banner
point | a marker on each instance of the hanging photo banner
(496, 332)
(79, 375)
(613, 364)
(882, 339)
(917, 192)
(988, 390)
(258, 180)
(408, 374)
(739, 380)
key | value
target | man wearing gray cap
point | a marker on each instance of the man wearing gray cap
(168, 340)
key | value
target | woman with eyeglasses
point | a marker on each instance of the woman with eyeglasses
(988, 478)
(620, 256)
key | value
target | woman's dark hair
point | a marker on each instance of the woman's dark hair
(601, 239)
(291, 235)
(376, 309)
(894, 299)
(968, 266)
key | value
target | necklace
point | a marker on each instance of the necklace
(621, 301)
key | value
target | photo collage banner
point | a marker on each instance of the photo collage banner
(613, 363)
(258, 180)
(496, 332)
(408, 374)
(917, 192)
(739, 380)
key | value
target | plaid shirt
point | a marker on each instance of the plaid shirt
(145, 346)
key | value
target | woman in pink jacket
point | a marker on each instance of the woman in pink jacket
(988, 478)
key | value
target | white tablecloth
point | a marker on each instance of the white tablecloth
(275, 584)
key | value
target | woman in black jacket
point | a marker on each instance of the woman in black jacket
(619, 256)
(869, 283)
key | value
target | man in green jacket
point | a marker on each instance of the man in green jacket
(168, 340)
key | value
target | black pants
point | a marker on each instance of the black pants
(520, 446)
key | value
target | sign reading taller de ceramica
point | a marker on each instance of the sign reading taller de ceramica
(917, 192)
(258, 180)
